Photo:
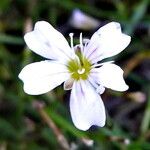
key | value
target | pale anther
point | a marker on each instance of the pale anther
(81, 41)
(71, 40)
(81, 71)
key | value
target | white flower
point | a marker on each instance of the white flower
(77, 67)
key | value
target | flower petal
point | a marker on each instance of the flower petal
(106, 42)
(86, 106)
(100, 89)
(110, 76)
(48, 42)
(41, 77)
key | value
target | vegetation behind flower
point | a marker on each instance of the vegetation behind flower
(36, 122)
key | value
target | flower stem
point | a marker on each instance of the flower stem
(146, 119)
(47, 119)
(135, 61)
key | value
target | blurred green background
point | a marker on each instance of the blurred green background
(44, 122)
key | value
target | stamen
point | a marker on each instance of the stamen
(71, 40)
(81, 42)
(85, 42)
(81, 71)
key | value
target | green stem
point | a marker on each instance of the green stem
(146, 119)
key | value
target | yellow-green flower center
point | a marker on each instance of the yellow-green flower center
(79, 67)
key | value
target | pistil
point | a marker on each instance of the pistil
(81, 71)
(79, 67)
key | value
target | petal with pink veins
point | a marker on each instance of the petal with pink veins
(86, 106)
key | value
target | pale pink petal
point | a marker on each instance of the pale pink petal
(41, 77)
(106, 42)
(110, 76)
(100, 89)
(86, 106)
(48, 42)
